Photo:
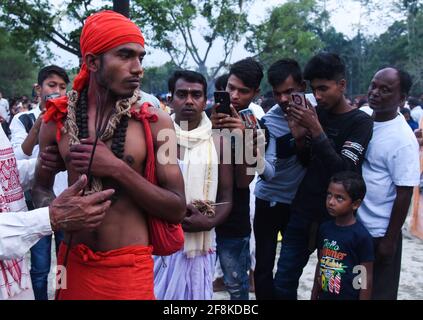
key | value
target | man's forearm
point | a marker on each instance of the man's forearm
(399, 212)
(242, 178)
(30, 141)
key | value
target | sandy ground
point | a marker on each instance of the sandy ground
(411, 281)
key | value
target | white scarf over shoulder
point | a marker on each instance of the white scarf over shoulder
(200, 171)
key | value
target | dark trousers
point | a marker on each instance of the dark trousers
(268, 222)
(386, 274)
(298, 243)
(40, 264)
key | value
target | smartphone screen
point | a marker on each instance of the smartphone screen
(249, 119)
(224, 100)
(298, 99)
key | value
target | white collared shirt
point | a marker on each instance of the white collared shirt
(19, 134)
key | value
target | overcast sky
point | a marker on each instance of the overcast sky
(346, 15)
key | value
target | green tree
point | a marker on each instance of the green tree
(17, 70)
(413, 10)
(155, 78)
(289, 31)
(35, 23)
(171, 25)
(390, 48)
(402, 43)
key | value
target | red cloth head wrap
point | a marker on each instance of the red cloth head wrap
(102, 31)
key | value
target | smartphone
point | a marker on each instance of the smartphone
(224, 100)
(298, 99)
(249, 119)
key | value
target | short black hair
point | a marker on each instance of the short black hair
(353, 183)
(282, 69)
(249, 71)
(189, 76)
(221, 82)
(406, 82)
(325, 65)
(46, 72)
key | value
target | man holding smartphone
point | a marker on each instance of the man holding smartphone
(277, 185)
(339, 135)
(233, 236)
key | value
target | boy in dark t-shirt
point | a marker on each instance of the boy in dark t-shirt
(345, 265)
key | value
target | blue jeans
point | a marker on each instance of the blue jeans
(234, 256)
(298, 242)
(40, 264)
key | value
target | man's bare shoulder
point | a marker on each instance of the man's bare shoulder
(162, 115)
(163, 119)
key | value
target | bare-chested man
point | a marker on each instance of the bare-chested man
(114, 261)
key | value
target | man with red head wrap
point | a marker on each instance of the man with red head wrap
(114, 261)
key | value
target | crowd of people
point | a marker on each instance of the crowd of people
(146, 205)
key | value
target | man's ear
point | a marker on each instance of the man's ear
(92, 61)
(342, 84)
(356, 204)
(38, 90)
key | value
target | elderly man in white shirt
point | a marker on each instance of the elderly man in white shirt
(52, 82)
(20, 231)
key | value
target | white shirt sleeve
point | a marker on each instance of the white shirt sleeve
(404, 166)
(20, 231)
(26, 169)
(18, 136)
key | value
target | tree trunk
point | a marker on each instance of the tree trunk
(121, 6)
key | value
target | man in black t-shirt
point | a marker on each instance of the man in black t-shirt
(337, 136)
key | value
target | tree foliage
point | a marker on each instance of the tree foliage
(192, 30)
(155, 78)
(17, 70)
(290, 31)
(35, 23)
(178, 27)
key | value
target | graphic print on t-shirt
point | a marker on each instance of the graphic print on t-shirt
(332, 267)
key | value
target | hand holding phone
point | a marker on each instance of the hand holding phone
(224, 101)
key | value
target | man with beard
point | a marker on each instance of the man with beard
(115, 261)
